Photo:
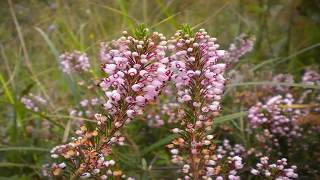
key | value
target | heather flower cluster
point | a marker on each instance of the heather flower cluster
(136, 73)
(197, 73)
(278, 119)
(310, 77)
(283, 78)
(86, 156)
(33, 102)
(198, 77)
(278, 171)
(167, 113)
(226, 162)
(222, 162)
(286, 124)
(87, 107)
(242, 45)
(73, 62)
(281, 117)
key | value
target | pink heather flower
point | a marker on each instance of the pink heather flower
(167, 112)
(110, 68)
(140, 100)
(283, 78)
(155, 121)
(242, 45)
(130, 113)
(278, 170)
(86, 109)
(132, 71)
(75, 61)
(311, 77)
(33, 102)
(136, 87)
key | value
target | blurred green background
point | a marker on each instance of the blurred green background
(34, 32)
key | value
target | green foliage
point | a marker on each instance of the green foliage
(141, 32)
(186, 30)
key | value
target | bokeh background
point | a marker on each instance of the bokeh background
(34, 32)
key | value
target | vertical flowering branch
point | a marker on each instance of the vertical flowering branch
(198, 77)
(137, 72)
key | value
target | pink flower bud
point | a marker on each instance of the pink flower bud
(136, 87)
(140, 100)
(132, 71)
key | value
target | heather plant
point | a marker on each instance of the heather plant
(198, 76)
(280, 124)
(278, 120)
(136, 73)
(137, 70)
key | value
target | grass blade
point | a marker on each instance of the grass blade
(25, 51)
(165, 20)
(55, 52)
(213, 15)
(16, 119)
(117, 11)
(10, 164)
(15, 148)
(229, 117)
(49, 43)
(280, 60)
(66, 131)
(273, 84)
(165, 10)
(44, 116)
(6, 90)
